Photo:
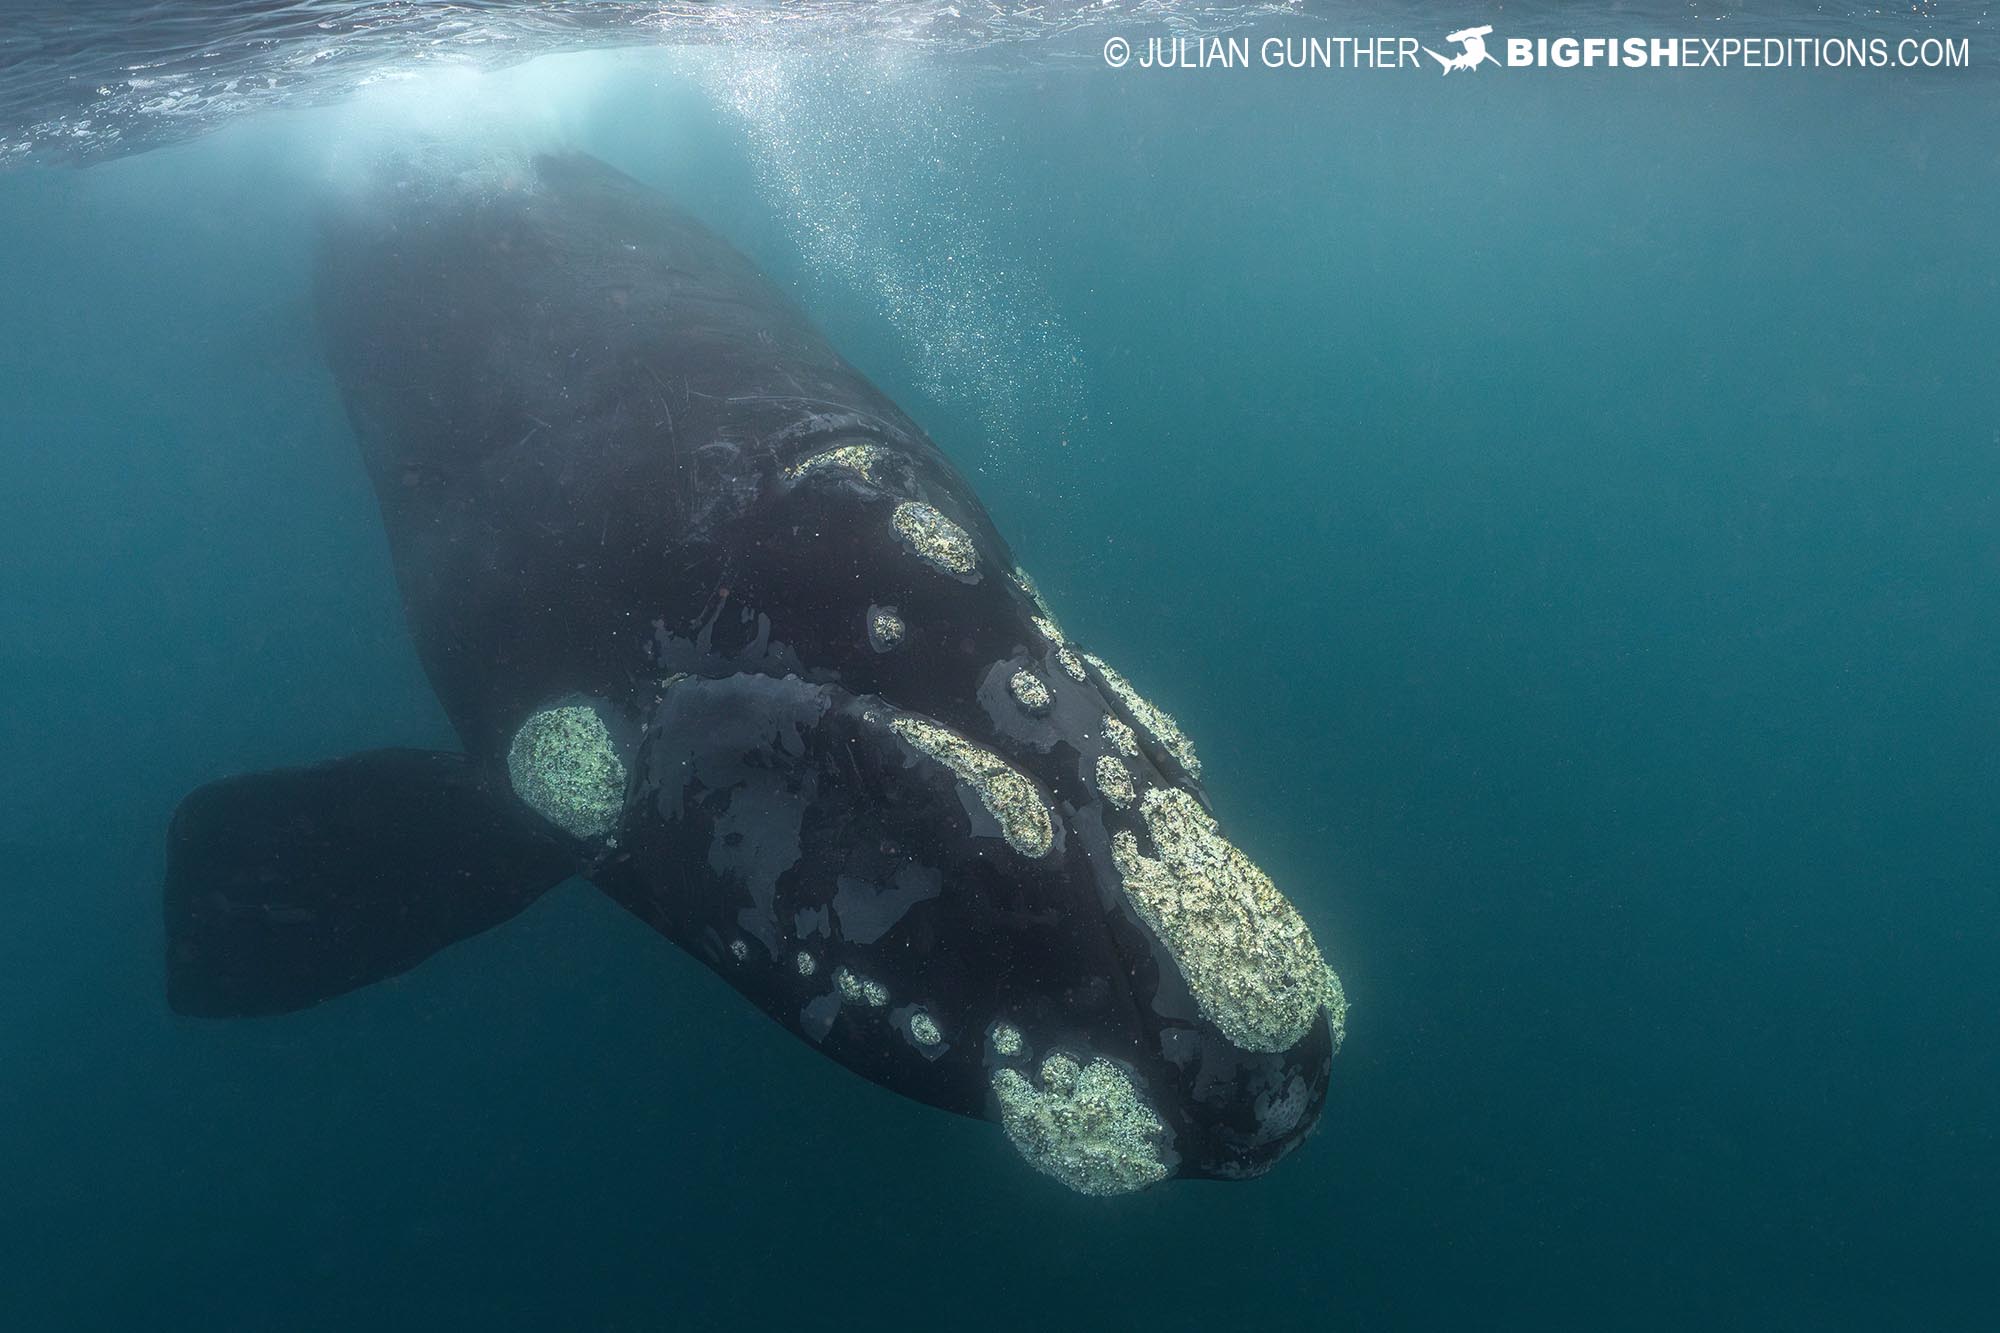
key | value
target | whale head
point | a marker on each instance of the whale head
(876, 788)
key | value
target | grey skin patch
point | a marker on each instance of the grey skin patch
(1279, 1111)
(936, 540)
(760, 925)
(1009, 796)
(1181, 1046)
(1086, 1125)
(563, 765)
(885, 628)
(817, 1014)
(1241, 946)
(757, 839)
(1280, 1098)
(1030, 692)
(868, 911)
(1159, 724)
(750, 730)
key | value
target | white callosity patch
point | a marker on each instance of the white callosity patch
(805, 964)
(1114, 781)
(936, 539)
(859, 989)
(1163, 728)
(1045, 625)
(1121, 737)
(1085, 1125)
(924, 1029)
(868, 462)
(1246, 953)
(1335, 1003)
(739, 950)
(1026, 583)
(885, 628)
(1030, 692)
(1008, 795)
(1006, 1039)
(563, 765)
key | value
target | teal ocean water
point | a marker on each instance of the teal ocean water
(1561, 505)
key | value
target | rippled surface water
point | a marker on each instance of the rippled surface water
(107, 76)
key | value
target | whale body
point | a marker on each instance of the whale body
(724, 633)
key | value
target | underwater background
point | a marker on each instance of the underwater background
(1561, 505)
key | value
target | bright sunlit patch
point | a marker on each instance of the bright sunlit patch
(460, 123)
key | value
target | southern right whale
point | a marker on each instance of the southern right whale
(722, 632)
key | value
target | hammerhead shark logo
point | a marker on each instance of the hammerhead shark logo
(1474, 54)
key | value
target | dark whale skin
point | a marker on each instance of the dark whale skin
(590, 424)
(576, 403)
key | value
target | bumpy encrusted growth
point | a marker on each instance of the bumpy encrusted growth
(863, 460)
(936, 539)
(1047, 627)
(1030, 692)
(1164, 729)
(739, 950)
(1243, 948)
(1006, 793)
(1006, 1039)
(1334, 1000)
(563, 765)
(1066, 658)
(805, 963)
(924, 1029)
(1114, 781)
(1086, 1126)
(885, 628)
(859, 989)
(1026, 583)
(1122, 738)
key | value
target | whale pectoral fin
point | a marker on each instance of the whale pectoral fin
(289, 887)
